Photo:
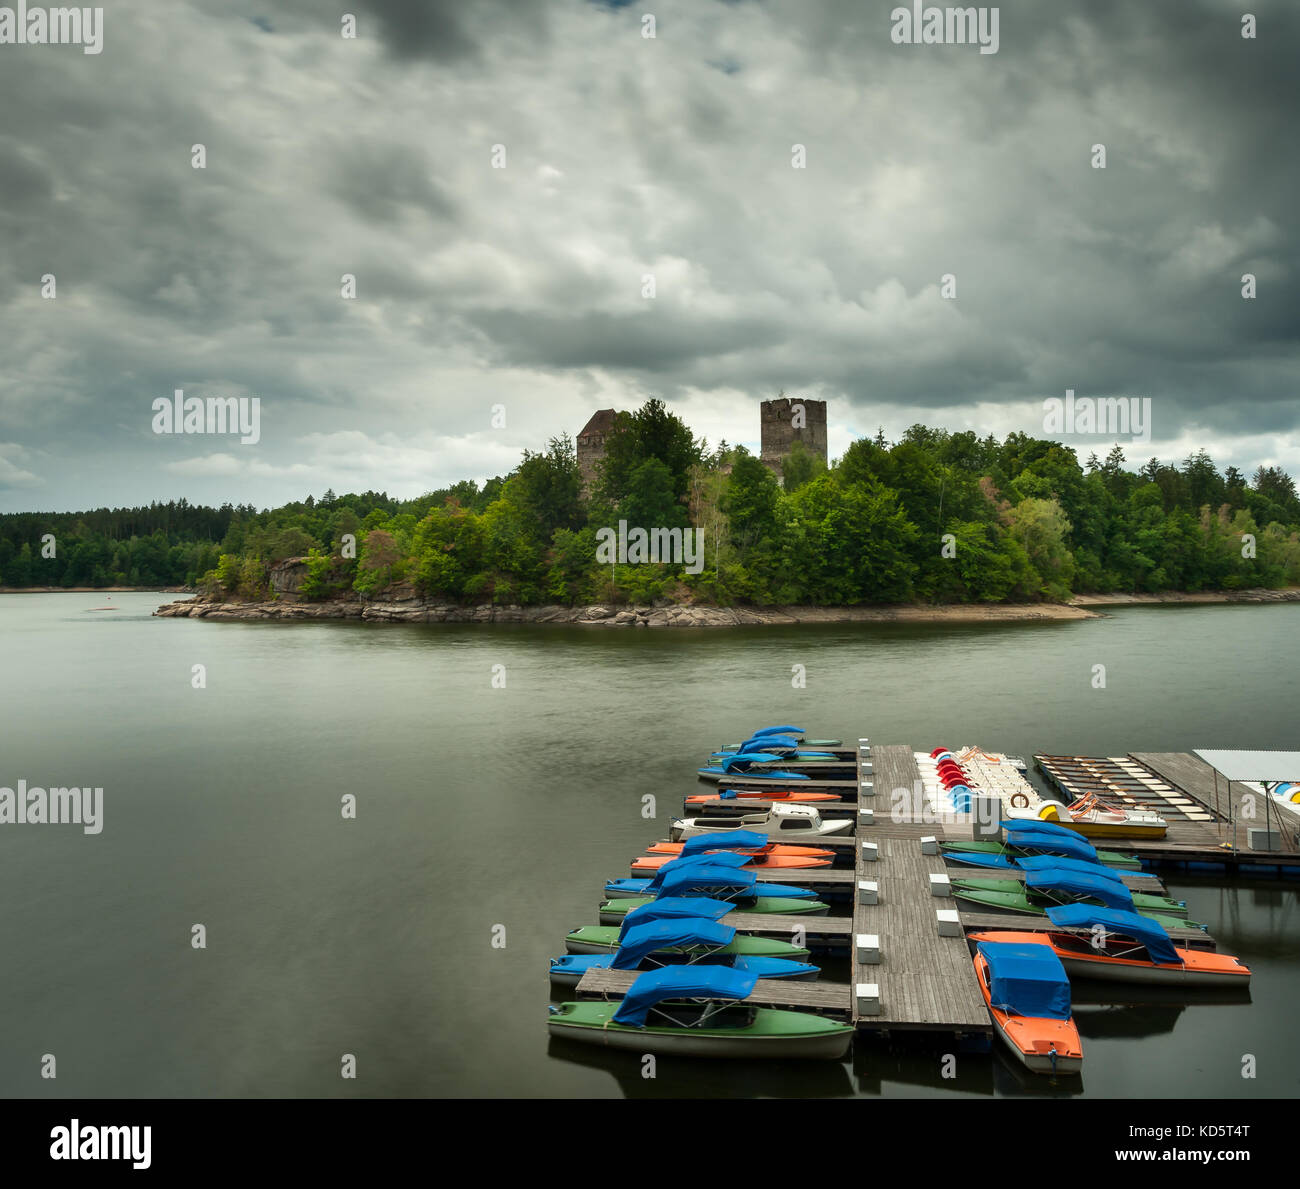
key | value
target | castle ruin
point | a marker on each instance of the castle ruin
(782, 422)
(591, 445)
(787, 420)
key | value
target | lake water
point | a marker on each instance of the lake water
(480, 807)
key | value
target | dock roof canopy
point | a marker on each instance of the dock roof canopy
(1253, 765)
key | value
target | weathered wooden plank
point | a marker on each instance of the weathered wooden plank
(926, 981)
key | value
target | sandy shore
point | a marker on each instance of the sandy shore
(1289, 594)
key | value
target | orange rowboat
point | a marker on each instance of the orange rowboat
(763, 795)
(1028, 996)
(649, 864)
(772, 848)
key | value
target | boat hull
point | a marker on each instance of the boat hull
(612, 912)
(1199, 969)
(784, 1035)
(1031, 1038)
(1149, 974)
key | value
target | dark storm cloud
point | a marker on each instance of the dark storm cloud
(631, 157)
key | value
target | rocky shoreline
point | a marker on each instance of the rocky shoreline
(404, 606)
(416, 610)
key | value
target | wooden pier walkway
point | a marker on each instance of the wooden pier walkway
(922, 979)
(1234, 808)
(832, 999)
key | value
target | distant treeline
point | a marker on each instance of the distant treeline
(933, 517)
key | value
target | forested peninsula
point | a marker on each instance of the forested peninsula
(933, 518)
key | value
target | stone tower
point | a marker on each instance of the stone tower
(779, 432)
(591, 445)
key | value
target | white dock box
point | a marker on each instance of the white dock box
(868, 997)
(949, 922)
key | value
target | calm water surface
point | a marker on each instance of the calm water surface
(480, 807)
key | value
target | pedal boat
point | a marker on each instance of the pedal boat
(746, 842)
(699, 1011)
(1094, 818)
(1028, 997)
(605, 939)
(682, 875)
(1031, 836)
(1126, 948)
(1056, 886)
(754, 766)
(1142, 901)
(681, 941)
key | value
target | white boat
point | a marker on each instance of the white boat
(781, 822)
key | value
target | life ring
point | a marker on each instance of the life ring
(1019, 801)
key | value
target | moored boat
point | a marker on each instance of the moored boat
(747, 842)
(781, 821)
(1055, 886)
(1143, 901)
(681, 941)
(699, 1011)
(793, 796)
(753, 766)
(1125, 947)
(1033, 837)
(1028, 997)
(1095, 818)
(605, 939)
(649, 864)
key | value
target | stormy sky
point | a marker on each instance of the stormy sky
(626, 156)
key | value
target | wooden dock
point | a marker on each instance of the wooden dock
(922, 979)
(1206, 824)
(829, 999)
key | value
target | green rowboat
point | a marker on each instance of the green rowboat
(603, 939)
(612, 912)
(1142, 901)
(735, 1031)
(954, 851)
(1017, 901)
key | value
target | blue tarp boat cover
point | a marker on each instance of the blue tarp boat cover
(764, 742)
(784, 730)
(1027, 980)
(644, 939)
(741, 763)
(682, 982)
(1046, 862)
(1142, 929)
(723, 840)
(1110, 892)
(682, 882)
(1075, 848)
(667, 908)
(1034, 823)
(686, 862)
